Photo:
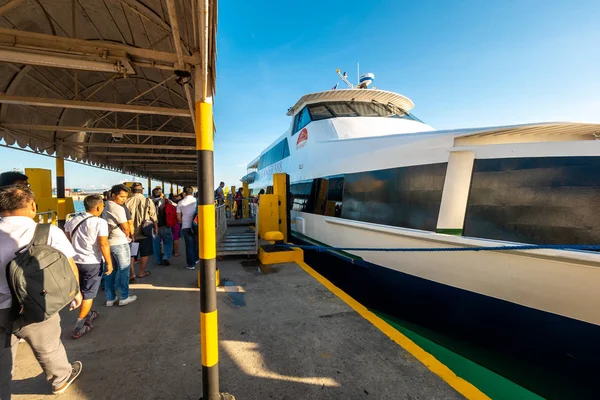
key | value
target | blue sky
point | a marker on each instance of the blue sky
(463, 63)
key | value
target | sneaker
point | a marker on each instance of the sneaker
(128, 300)
(190, 268)
(79, 332)
(76, 368)
(93, 315)
(110, 303)
(166, 263)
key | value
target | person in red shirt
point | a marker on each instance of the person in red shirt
(239, 195)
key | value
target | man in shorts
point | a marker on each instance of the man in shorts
(142, 210)
(89, 235)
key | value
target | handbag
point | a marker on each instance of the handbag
(147, 225)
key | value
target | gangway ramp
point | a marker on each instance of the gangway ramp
(238, 240)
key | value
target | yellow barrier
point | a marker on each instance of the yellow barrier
(268, 214)
(41, 184)
(280, 188)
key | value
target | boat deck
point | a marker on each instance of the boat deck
(283, 335)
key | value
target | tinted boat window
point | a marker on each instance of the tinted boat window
(301, 196)
(342, 110)
(373, 110)
(408, 197)
(277, 153)
(319, 111)
(301, 120)
(540, 200)
(335, 193)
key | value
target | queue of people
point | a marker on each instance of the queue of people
(95, 248)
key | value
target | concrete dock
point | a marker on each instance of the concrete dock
(283, 335)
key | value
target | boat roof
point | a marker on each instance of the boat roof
(365, 95)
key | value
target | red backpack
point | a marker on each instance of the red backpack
(171, 215)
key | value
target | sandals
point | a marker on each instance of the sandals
(145, 274)
(78, 333)
(92, 317)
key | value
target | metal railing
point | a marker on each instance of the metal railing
(231, 202)
(221, 222)
(46, 217)
(253, 210)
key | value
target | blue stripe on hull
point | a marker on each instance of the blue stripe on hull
(551, 355)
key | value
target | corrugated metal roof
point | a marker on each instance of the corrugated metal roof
(367, 95)
(135, 34)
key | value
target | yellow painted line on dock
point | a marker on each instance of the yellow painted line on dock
(460, 385)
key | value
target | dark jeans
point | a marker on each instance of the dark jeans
(191, 247)
(164, 234)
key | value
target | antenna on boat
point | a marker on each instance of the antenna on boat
(344, 78)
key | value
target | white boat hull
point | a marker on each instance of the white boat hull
(560, 282)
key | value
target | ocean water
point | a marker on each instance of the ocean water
(79, 206)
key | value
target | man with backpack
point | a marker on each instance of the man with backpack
(89, 235)
(164, 230)
(33, 315)
(145, 224)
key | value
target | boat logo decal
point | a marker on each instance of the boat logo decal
(302, 139)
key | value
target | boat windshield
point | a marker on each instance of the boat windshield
(335, 109)
(319, 111)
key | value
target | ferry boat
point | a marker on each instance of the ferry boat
(365, 172)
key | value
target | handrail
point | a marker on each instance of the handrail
(220, 221)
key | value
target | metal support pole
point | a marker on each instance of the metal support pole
(171, 189)
(149, 187)
(207, 275)
(60, 190)
(163, 187)
(177, 189)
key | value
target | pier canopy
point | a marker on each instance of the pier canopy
(109, 83)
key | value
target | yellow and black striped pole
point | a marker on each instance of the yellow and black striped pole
(207, 274)
(60, 191)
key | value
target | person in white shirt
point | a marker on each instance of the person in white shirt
(17, 227)
(89, 235)
(118, 239)
(186, 212)
(219, 194)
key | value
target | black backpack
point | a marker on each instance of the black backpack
(40, 279)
